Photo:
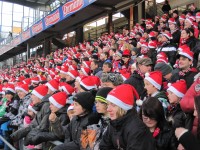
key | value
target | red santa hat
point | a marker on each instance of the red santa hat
(35, 80)
(73, 73)
(27, 81)
(30, 107)
(87, 64)
(155, 78)
(53, 85)
(182, 17)
(67, 88)
(189, 20)
(172, 20)
(198, 15)
(64, 70)
(22, 87)
(11, 88)
(58, 100)
(40, 91)
(187, 53)
(152, 44)
(179, 88)
(71, 107)
(167, 35)
(86, 71)
(152, 34)
(88, 83)
(123, 96)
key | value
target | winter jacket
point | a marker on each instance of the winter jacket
(176, 36)
(76, 134)
(170, 50)
(40, 121)
(189, 142)
(3, 107)
(162, 97)
(166, 139)
(23, 107)
(176, 117)
(38, 136)
(127, 132)
(138, 83)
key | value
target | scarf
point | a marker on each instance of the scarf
(140, 73)
(184, 72)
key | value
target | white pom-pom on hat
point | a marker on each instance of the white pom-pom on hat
(139, 102)
(147, 74)
(169, 84)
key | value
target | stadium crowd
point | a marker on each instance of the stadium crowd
(133, 90)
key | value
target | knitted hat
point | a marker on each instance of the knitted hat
(186, 52)
(123, 96)
(164, 68)
(102, 94)
(22, 87)
(73, 73)
(30, 107)
(155, 78)
(85, 99)
(53, 85)
(40, 91)
(58, 99)
(179, 88)
(87, 83)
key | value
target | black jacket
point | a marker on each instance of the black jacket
(189, 142)
(176, 117)
(176, 37)
(138, 83)
(127, 133)
(166, 139)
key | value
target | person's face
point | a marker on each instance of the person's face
(30, 113)
(187, 24)
(145, 35)
(184, 35)
(78, 109)
(195, 111)
(69, 78)
(35, 99)
(9, 97)
(197, 19)
(174, 15)
(112, 110)
(101, 107)
(162, 24)
(62, 75)
(181, 21)
(172, 26)
(184, 63)
(149, 87)
(125, 59)
(21, 94)
(93, 66)
(107, 84)
(164, 39)
(144, 69)
(53, 108)
(173, 99)
(149, 122)
(102, 56)
(106, 68)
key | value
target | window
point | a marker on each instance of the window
(7, 8)
(18, 8)
(6, 20)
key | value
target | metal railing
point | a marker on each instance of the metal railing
(7, 143)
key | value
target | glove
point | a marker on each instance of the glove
(19, 134)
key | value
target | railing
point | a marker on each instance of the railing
(7, 143)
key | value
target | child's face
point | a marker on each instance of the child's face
(31, 113)
(173, 99)
(78, 109)
(149, 87)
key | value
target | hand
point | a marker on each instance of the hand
(52, 117)
(180, 147)
(179, 132)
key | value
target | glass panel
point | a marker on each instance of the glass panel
(26, 11)
(17, 16)
(18, 8)
(7, 8)
(17, 24)
(6, 29)
(6, 20)
(4, 34)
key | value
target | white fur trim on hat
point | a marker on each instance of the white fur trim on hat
(63, 72)
(71, 75)
(158, 86)
(51, 87)
(31, 108)
(55, 103)
(186, 55)
(118, 102)
(21, 89)
(83, 70)
(175, 91)
(10, 89)
(37, 94)
(63, 88)
(88, 87)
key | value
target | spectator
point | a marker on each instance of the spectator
(166, 7)
(111, 80)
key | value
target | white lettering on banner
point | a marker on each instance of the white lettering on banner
(53, 18)
(37, 27)
(72, 6)
(26, 34)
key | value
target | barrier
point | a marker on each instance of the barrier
(7, 143)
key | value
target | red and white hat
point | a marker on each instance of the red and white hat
(123, 96)
(183, 47)
(10, 87)
(162, 57)
(86, 71)
(167, 35)
(40, 91)
(88, 83)
(73, 73)
(30, 107)
(198, 15)
(64, 70)
(35, 80)
(87, 64)
(67, 88)
(27, 81)
(179, 88)
(59, 99)
(152, 44)
(22, 87)
(152, 34)
(172, 20)
(187, 53)
(71, 107)
(182, 17)
(189, 20)
(155, 78)
(53, 85)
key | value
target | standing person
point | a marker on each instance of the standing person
(126, 130)
(166, 7)
(153, 116)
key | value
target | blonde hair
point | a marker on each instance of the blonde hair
(121, 112)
